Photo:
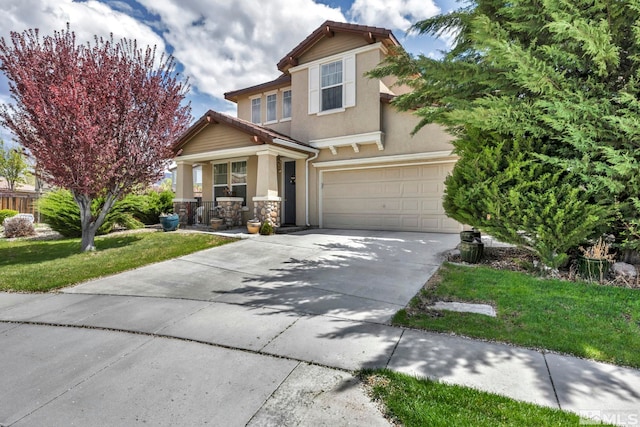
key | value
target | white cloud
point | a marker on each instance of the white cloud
(86, 19)
(393, 14)
(232, 45)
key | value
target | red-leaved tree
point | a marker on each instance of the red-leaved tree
(99, 119)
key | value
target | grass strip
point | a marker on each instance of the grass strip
(412, 401)
(40, 266)
(583, 319)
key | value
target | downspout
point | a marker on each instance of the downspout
(306, 181)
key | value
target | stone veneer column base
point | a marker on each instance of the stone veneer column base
(183, 207)
(267, 209)
(232, 208)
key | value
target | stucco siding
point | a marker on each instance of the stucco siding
(397, 127)
(244, 108)
(330, 46)
(216, 137)
(362, 118)
(283, 127)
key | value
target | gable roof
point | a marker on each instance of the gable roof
(328, 29)
(283, 80)
(261, 135)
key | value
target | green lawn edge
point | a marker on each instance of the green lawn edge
(41, 266)
(412, 401)
(581, 319)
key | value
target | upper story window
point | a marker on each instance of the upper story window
(271, 107)
(286, 104)
(255, 110)
(331, 85)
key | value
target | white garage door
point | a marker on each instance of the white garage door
(403, 198)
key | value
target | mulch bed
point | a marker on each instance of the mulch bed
(523, 260)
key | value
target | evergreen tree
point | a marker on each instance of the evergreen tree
(545, 96)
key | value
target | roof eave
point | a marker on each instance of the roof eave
(281, 81)
(259, 135)
(328, 29)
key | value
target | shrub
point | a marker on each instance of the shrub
(266, 228)
(18, 227)
(6, 213)
(505, 191)
(61, 212)
(147, 207)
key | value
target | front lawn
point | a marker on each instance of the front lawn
(586, 320)
(39, 266)
(422, 402)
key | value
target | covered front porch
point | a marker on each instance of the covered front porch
(247, 172)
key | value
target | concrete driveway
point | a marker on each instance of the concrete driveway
(356, 275)
(263, 331)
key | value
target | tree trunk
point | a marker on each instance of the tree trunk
(88, 223)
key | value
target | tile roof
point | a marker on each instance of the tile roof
(372, 34)
(262, 134)
(283, 80)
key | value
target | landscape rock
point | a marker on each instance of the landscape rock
(622, 269)
(464, 307)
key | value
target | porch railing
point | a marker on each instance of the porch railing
(195, 213)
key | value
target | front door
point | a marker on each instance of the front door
(290, 193)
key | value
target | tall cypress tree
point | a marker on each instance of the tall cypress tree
(544, 98)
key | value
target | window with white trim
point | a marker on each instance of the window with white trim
(230, 175)
(286, 104)
(220, 180)
(331, 86)
(239, 180)
(272, 102)
(255, 110)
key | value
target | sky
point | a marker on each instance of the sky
(219, 45)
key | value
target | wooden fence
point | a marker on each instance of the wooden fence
(21, 202)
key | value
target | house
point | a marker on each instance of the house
(320, 145)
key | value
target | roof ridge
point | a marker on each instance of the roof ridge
(326, 29)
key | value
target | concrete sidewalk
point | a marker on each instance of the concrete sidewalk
(265, 331)
(72, 357)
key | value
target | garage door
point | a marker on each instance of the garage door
(403, 198)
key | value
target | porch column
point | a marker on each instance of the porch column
(184, 186)
(267, 185)
(207, 182)
(184, 191)
(266, 204)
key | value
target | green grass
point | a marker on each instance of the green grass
(587, 320)
(39, 266)
(422, 402)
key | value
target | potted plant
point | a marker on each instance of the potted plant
(253, 226)
(169, 222)
(217, 221)
(595, 261)
(266, 229)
